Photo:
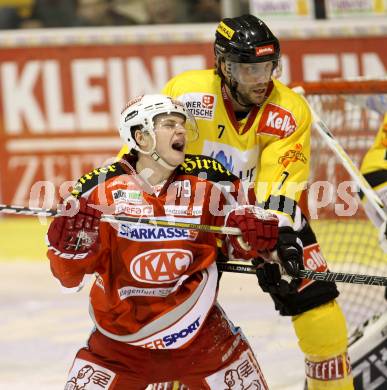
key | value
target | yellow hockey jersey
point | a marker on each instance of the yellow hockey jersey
(375, 161)
(271, 146)
(374, 168)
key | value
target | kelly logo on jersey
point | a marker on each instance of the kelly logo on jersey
(200, 105)
(277, 121)
(161, 265)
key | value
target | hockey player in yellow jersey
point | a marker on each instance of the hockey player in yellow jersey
(260, 130)
(374, 168)
(371, 338)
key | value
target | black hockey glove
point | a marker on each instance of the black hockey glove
(290, 255)
(290, 251)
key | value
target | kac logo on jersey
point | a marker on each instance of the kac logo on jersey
(277, 121)
(200, 105)
(160, 265)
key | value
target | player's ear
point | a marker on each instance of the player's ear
(140, 138)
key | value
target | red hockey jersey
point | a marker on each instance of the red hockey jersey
(154, 285)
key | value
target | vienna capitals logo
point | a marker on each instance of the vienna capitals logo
(222, 158)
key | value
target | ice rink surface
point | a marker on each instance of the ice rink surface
(41, 328)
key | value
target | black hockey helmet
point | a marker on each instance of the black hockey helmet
(245, 39)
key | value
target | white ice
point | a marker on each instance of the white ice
(41, 328)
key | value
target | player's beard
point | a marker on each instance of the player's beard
(251, 96)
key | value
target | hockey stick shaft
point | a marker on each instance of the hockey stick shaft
(225, 267)
(174, 224)
(40, 212)
(30, 211)
(339, 277)
(353, 171)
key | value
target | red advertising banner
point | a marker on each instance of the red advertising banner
(59, 105)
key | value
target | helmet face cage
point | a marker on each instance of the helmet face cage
(140, 113)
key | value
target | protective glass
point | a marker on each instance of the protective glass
(250, 73)
(175, 121)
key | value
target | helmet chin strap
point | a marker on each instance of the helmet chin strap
(155, 156)
(162, 162)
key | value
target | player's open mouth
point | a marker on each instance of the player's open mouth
(259, 91)
(178, 145)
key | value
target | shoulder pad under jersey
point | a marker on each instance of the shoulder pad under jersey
(96, 177)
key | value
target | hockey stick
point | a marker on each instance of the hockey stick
(40, 212)
(174, 224)
(339, 277)
(225, 267)
(353, 171)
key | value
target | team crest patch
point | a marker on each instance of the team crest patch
(242, 374)
(241, 162)
(85, 375)
(200, 105)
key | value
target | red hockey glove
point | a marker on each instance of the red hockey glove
(259, 231)
(76, 236)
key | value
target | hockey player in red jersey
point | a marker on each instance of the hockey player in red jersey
(153, 302)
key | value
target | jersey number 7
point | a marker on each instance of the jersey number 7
(221, 130)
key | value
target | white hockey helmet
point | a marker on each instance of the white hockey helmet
(139, 114)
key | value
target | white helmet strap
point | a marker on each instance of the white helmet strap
(156, 157)
(161, 161)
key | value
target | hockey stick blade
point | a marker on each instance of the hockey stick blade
(40, 212)
(338, 277)
(29, 211)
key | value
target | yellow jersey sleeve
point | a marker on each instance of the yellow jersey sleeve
(284, 161)
(374, 169)
(374, 165)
